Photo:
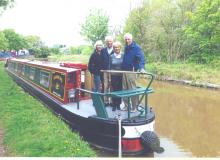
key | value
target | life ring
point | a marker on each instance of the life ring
(151, 142)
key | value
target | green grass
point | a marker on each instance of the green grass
(69, 57)
(187, 71)
(32, 130)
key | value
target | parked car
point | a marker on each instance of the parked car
(4, 55)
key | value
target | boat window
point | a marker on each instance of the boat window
(23, 70)
(10, 65)
(82, 76)
(27, 71)
(20, 67)
(32, 73)
(16, 67)
(13, 66)
(72, 77)
(44, 79)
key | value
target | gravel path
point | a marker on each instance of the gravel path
(2, 148)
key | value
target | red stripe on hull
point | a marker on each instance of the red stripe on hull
(132, 145)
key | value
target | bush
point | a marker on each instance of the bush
(42, 52)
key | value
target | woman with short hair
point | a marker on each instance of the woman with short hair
(116, 78)
(95, 65)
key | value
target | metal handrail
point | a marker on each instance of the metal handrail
(152, 76)
(131, 72)
(116, 71)
(134, 72)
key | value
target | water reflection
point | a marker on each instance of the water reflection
(171, 149)
(189, 117)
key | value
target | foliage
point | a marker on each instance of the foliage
(42, 52)
(204, 30)
(3, 42)
(95, 26)
(137, 24)
(31, 130)
(15, 40)
(38, 48)
(4, 4)
(33, 42)
(170, 30)
(55, 50)
(82, 49)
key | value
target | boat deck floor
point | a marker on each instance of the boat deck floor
(87, 109)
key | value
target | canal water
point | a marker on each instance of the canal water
(187, 121)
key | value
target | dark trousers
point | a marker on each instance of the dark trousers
(116, 83)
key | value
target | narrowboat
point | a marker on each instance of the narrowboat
(67, 90)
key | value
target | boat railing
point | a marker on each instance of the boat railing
(98, 102)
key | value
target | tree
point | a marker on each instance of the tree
(42, 52)
(95, 26)
(158, 26)
(137, 23)
(204, 29)
(33, 43)
(3, 42)
(15, 40)
(4, 4)
(37, 47)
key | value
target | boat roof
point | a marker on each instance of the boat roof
(46, 64)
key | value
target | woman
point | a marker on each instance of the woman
(116, 78)
(95, 65)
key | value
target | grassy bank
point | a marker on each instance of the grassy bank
(181, 71)
(201, 73)
(30, 129)
(69, 57)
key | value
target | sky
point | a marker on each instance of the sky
(58, 21)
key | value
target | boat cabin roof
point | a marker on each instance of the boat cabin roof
(45, 64)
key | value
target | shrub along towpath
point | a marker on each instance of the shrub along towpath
(31, 129)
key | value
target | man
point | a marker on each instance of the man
(107, 52)
(133, 61)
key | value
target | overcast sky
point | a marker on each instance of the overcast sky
(57, 21)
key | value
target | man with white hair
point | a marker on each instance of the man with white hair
(107, 52)
(95, 65)
(133, 61)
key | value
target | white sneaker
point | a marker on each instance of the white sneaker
(133, 110)
(124, 109)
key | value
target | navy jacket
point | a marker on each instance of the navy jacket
(133, 58)
(95, 63)
(106, 58)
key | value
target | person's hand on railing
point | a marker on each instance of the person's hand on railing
(142, 70)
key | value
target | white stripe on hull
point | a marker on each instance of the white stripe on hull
(136, 131)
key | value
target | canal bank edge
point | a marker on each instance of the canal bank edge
(188, 82)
